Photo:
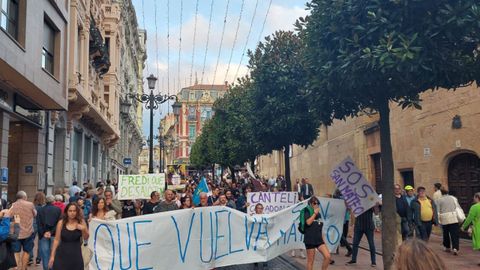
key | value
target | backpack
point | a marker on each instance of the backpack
(301, 225)
(4, 228)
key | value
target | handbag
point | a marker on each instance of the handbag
(459, 211)
(87, 254)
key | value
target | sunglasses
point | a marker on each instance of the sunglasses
(315, 203)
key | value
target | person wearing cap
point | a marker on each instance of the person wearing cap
(403, 211)
(410, 194)
(47, 219)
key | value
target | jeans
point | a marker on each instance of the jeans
(425, 230)
(357, 236)
(405, 228)
(343, 240)
(46, 245)
(451, 231)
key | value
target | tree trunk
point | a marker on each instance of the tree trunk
(213, 172)
(389, 212)
(232, 170)
(286, 153)
(221, 172)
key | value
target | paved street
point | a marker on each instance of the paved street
(467, 258)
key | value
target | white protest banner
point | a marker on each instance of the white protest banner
(205, 238)
(249, 170)
(272, 201)
(132, 187)
(357, 192)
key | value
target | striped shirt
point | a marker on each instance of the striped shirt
(365, 220)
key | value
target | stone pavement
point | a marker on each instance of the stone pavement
(467, 258)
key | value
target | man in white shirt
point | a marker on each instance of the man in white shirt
(74, 189)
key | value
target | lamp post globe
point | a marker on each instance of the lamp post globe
(151, 81)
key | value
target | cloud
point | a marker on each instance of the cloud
(283, 18)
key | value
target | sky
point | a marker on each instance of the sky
(178, 35)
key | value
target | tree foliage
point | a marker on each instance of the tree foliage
(366, 54)
(361, 53)
(280, 110)
(227, 139)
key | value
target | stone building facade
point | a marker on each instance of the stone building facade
(435, 144)
(125, 154)
(63, 73)
(33, 82)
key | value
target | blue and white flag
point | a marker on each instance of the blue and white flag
(202, 187)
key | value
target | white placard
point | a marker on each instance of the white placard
(133, 187)
(205, 238)
(272, 201)
(356, 190)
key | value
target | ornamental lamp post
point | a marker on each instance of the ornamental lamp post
(152, 102)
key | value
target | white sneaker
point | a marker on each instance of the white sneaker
(302, 254)
(446, 249)
(293, 253)
(455, 252)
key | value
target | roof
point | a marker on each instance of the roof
(220, 87)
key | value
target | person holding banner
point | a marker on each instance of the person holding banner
(259, 211)
(313, 236)
(364, 225)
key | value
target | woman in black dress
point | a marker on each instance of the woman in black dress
(313, 237)
(66, 250)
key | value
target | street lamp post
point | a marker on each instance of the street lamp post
(152, 102)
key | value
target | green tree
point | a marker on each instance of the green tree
(200, 154)
(375, 53)
(280, 112)
(234, 109)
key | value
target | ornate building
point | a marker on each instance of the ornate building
(132, 48)
(194, 106)
(436, 144)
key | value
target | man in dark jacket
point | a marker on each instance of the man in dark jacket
(404, 211)
(424, 213)
(306, 191)
(47, 220)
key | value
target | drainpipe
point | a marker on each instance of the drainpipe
(47, 134)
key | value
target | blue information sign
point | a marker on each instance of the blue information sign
(127, 161)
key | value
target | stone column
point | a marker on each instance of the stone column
(81, 149)
(4, 130)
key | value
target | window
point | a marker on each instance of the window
(78, 55)
(206, 113)
(107, 44)
(9, 17)
(48, 47)
(191, 132)
(198, 95)
(192, 114)
(192, 95)
(377, 172)
(185, 94)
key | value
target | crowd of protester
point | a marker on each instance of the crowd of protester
(60, 221)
